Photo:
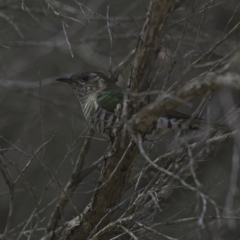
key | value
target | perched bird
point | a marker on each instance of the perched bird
(101, 101)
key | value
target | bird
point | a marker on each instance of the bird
(101, 101)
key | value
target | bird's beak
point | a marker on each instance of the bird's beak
(65, 79)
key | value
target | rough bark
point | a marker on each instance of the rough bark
(115, 173)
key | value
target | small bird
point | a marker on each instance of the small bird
(102, 101)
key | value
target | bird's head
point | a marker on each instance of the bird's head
(86, 81)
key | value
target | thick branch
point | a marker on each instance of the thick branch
(110, 189)
(147, 48)
(115, 173)
(208, 83)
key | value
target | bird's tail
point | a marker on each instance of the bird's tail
(178, 121)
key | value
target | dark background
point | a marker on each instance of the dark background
(43, 40)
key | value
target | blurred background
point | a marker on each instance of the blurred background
(42, 40)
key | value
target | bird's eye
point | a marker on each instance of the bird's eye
(85, 77)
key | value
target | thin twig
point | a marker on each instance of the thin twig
(71, 185)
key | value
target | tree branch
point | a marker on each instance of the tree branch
(72, 184)
(207, 83)
(147, 48)
(114, 175)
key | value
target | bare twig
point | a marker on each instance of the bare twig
(75, 179)
(10, 184)
(66, 36)
(119, 69)
(111, 40)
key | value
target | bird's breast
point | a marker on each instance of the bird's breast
(100, 119)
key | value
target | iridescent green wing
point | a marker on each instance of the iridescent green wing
(110, 98)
